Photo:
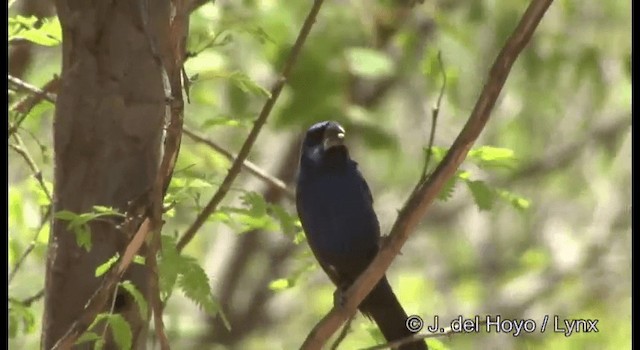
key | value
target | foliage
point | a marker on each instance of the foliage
(534, 222)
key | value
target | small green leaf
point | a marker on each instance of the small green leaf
(103, 268)
(244, 83)
(121, 331)
(83, 237)
(487, 156)
(437, 153)
(48, 34)
(66, 215)
(482, 194)
(515, 200)
(87, 337)
(369, 63)
(286, 220)
(447, 189)
(103, 211)
(139, 259)
(137, 296)
(279, 284)
(299, 237)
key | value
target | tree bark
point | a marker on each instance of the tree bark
(108, 131)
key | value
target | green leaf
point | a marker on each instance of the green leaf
(169, 266)
(78, 223)
(48, 34)
(447, 190)
(66, 215)
(104, 267)
(515, 200)
(369, 63)
(482, 194)
(244, 83)
(437, 153)
(83, 237)
(103, 211)
(87, 336)
(137, 296)
(280, 284)
(194, 284)
(186, 272)
(288, 222)
(495, 157)
(121, 331)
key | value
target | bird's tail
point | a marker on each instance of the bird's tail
(385, 309)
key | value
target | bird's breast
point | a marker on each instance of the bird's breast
(337, 215)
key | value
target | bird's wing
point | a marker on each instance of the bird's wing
(363, 183)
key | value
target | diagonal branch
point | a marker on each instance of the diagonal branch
(24, 86)
(24, 106)
(247, 164)
(426, 192)
(253, 134)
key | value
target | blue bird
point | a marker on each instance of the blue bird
(336, 210)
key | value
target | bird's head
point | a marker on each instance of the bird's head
(324, 143)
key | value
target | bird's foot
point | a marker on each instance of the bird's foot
(338, 297)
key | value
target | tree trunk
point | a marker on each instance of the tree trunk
(108, 131)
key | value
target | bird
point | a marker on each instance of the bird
(335, 207)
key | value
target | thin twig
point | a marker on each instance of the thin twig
(24, 86)
(343, 333)
(37, 174)
(421, 198)
(27, 103)
(20, 148)
(30, 300)
(253, 135)
(247, 164)
(32, 244)
(435, 111)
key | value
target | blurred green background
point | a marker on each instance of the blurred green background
(546, 232)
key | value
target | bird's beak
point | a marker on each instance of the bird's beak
(333, 136)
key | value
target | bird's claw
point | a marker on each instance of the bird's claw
(338, 297)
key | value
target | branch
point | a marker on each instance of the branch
(20, 148)
(247, 164)
(426, 192)
(23, 86)
(25, 105)
(43, 220)
(435, 111)
(30, 300)
(343, 333)
(253, 135)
